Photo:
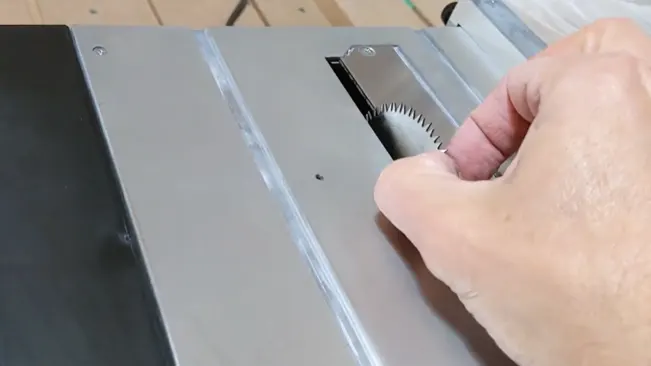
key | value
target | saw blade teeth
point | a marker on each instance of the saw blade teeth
(373, 113)
(385, 114)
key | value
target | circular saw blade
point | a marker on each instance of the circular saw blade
(403, 131)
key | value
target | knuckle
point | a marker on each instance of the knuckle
(617, 73)
(611, 34)
(612, 29)
(620, 67)
(612, 76)
(618, 24)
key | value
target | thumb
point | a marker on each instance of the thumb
(445, 217)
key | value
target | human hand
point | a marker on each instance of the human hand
(552, 258)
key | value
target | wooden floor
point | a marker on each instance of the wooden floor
(204, 13)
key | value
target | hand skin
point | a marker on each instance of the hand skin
(554, 258)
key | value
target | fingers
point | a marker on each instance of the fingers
(448, 218)
(495, 130)
(412, 188)
(489, 136)
(438, 212)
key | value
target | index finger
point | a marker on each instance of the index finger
(494, 130)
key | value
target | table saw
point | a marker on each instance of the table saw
(204, 197)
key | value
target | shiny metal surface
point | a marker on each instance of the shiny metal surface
(512, 27)
(385, 76)
(486, 35)
(330, 160)
(248, 172)
(300, 231)
(236, 285)
(476, 68)
(232, 287)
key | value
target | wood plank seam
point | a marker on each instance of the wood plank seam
(292, 13)
(209, 13)
(431, 9)
(100, 12)
(334, 13)
(424, 18)
(35, 11)
(203, 13)
(154, 11)
(253, 4)
(374, 13)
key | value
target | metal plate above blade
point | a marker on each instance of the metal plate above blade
(385, 76)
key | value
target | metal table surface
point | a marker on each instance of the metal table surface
(206, 198)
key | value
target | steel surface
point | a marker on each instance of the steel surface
(313, 128)
(232, 288)
(385, 76)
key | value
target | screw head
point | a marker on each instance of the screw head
(99, 50)
(366, 51)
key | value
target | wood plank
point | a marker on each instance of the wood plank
(291, 12)
(110, 12)
(388, 13)
(335, 15)
(18, 12)
(202, 13)
(432, 9)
